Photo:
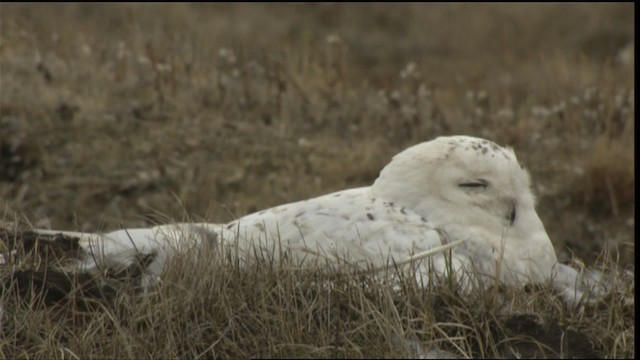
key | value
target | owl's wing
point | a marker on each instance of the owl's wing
(347, 225)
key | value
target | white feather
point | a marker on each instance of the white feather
(457, 190)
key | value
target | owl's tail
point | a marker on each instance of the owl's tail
(56, 265)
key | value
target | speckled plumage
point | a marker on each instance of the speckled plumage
(448, 189)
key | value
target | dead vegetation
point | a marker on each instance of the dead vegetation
(131, 115)
(257, 308)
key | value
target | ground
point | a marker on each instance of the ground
(138, 114)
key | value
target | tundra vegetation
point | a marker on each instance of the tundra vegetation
(125, 115)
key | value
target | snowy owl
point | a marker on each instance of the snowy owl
(464, 194)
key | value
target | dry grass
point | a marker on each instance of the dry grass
(257, 308)
(113, 114)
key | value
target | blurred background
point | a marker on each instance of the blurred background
(135, 114)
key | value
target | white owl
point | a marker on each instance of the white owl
(461, 193)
